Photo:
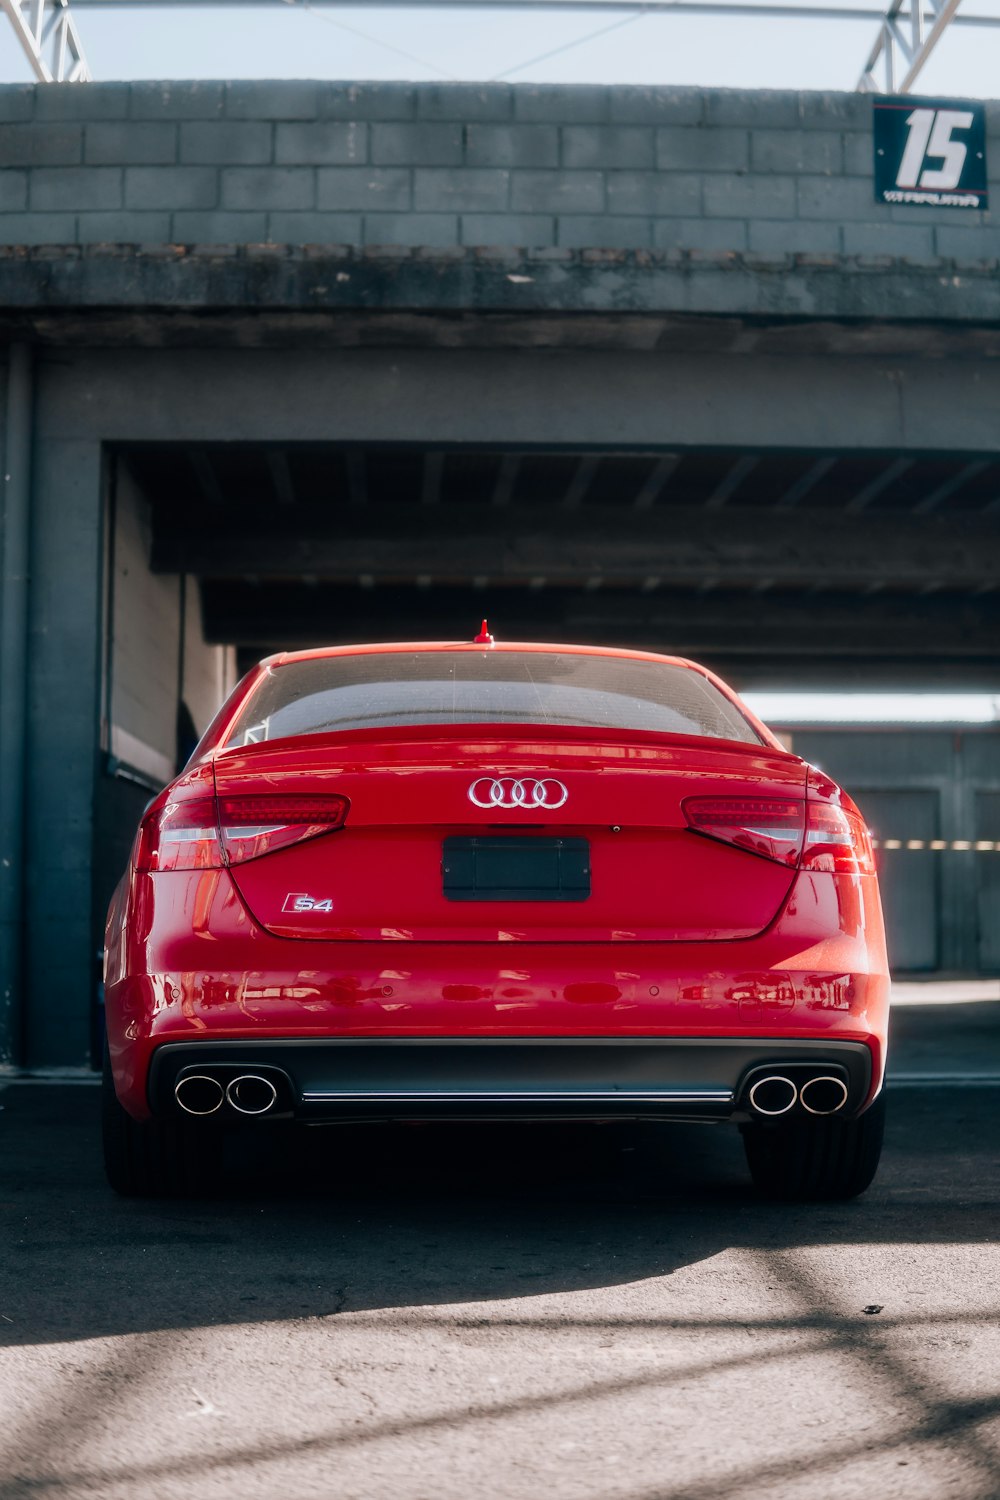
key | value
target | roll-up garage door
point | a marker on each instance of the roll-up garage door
(907, 877)
(988, 882)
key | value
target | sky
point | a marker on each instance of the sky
(296, 40)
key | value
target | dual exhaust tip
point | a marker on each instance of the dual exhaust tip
(247, 1094)
(776, 1094)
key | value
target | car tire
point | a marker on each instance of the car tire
(816, 1159)
(151, 1158)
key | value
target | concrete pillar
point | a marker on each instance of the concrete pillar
(16, 494)
(64, 638)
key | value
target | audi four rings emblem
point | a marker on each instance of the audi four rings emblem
(511, 791)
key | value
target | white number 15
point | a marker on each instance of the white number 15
(930, 135)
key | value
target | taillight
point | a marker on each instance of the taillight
(252, 826)
(205, 833)
(769, 826)
(179, 835)
(824, 835)
(837, 841)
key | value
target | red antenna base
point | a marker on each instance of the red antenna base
(483, 638)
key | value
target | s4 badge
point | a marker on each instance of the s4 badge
(300, 901)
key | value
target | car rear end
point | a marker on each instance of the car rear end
(496, 882)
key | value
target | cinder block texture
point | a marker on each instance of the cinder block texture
(407, 229)
(512, 146)
(252, 188)
(127, 142)
(321, 143)
(440, 165)
(581, 232)
(465, 102)
(171, 187)
(208, 227)
(13, 191)
(62, 189)
(17, 102)
(175, 101)
(478, 190)
(386, 188)
(40, 145)
(558, 192)
(221, 142)
(124, 228)
(528, 230)
(959, 243)
(659, 194)
(37, 229)
(312, 229)
(368, 101)
(417, 145)
(614, 146)
(280, 100)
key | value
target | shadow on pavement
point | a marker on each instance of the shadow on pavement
(364, 1218)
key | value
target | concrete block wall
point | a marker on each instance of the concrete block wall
(441, 166)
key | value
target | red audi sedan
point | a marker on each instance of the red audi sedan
(470, 880)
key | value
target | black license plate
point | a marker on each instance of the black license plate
(512, 867)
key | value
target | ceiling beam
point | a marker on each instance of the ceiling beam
(731, 481)
(929, 626)
(881, 482)
(805, 482)
(655, 481)
(432, 472)
(503, 489)
(281, 476)
(357, 475)
(578, 486)
(951, 486)
(683, 547)
(207, 479)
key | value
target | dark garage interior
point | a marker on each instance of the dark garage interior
(777, 568)
(869, 585)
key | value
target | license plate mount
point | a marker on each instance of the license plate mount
(516, 867)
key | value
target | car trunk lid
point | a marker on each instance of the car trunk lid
(556, 836)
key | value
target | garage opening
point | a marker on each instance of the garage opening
(778, 568)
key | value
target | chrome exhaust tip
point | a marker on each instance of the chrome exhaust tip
(252, 1095)
(198, 1094)
(773, 1095)
(823, 1095)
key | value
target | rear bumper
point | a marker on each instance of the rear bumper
(189, 969)
(336, 1079)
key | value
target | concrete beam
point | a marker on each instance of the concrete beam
(177, 279)
(503, 399)
(738, 625)
(681, 546)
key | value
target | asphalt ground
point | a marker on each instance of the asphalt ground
(575, 1313)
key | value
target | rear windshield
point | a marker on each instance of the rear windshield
(385, 690)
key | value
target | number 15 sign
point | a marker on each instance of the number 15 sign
(930, 151)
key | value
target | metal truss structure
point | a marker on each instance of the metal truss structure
(904, 44)
(905, 39)
(49, 39)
